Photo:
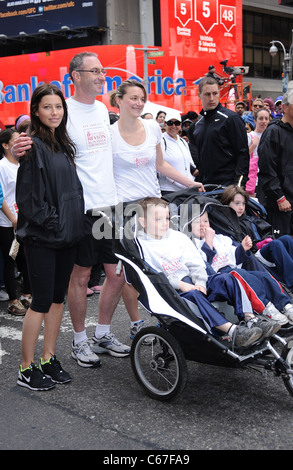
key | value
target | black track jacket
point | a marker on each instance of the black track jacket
(220, 140)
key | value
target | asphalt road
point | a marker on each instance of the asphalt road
(105, 409)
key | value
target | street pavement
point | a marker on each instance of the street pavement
(105, 409)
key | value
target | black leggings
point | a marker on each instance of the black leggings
(49, 271)
(6, 239)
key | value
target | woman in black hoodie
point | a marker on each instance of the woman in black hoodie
(50, 202)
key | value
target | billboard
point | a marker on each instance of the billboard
(32, 15)
(195, 34)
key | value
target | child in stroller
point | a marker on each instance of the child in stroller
(222, 255)
(275, 254)
(171, 252)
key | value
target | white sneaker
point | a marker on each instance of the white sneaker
(3, 296)
(272, 313)
(85, 357)
(288, 312)
(110, 344)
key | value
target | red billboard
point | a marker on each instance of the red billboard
(195, 34)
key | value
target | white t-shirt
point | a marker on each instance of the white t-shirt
(250, 137)
(176, 256)
(135, 166)
(225, 252)
(88, 126)
(8, 175)
(177, 153)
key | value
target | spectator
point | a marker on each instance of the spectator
(262, 118)
(160, 118)
(278, 107)
(8, 219)
(250, 117)
(219, 139)
(176, 152)
(240, 108)
(275, 151)
(269, 104)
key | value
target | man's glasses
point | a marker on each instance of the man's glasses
(94, 71)
(173, 123)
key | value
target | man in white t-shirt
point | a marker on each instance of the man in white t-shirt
(88, 127)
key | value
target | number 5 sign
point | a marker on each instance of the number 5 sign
(183, 11)
(206, 14)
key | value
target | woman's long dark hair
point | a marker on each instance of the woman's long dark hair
(58, 139)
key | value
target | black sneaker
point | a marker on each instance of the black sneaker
(34, 379)
(53, 369)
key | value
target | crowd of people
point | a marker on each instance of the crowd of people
(69, 157)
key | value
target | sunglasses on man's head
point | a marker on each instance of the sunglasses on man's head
(173, 123)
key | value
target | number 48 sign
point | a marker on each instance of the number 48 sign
(206, 13)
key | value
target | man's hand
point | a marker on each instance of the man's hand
(284, 206)
(21, 145)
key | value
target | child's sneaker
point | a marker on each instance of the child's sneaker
(288, 312)
(272, 313)
(268, 327)
(34, 379)
(244, 337)
(53, 369)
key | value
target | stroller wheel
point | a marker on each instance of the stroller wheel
(287, 354)
(158, 364)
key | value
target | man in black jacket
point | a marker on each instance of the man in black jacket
(220, 140)
(275, 178)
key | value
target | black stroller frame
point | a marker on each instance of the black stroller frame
(159, 353)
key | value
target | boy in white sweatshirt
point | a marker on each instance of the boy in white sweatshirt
(174, 254)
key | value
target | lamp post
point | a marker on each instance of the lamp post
(287, 64)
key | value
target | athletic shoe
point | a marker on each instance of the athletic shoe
(53, 369)
(16, 308)
(288, 312)
(109, 344)
(136, 328)
(83, 354)
(3, 296)
(34, 379)
(268, 327)
(272, 313)
(242, 337)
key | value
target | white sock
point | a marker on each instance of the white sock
(79, 336)
(231, 329)
(102, 330)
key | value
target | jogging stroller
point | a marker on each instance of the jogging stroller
(159, 353)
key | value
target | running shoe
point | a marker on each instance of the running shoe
(268, 327)
(288, 312)
(272, 313)
(109, 344)
(34, 379)
(83, 354)
(53, 369)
